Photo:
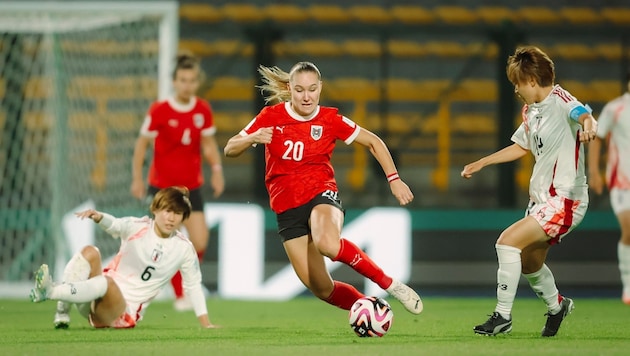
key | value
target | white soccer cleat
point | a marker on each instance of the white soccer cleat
(62, 317)
(43, 284)
(406, 296)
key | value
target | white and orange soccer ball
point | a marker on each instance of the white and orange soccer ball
(371, 317)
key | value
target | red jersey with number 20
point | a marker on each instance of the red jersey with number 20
(177, 130)
(298, 158)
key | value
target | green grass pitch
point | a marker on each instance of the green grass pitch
(307, 326)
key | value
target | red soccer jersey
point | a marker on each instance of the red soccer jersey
(298, 158)
(177, 130)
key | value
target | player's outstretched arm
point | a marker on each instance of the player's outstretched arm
(239, 143)
(508, 154)
(90, 214)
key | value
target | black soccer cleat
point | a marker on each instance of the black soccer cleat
(496, 324)
(554, 320)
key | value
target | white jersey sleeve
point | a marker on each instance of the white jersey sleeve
(614, 124)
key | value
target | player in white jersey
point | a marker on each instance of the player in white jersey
(614, 127)
(151, 252)
(554, 127)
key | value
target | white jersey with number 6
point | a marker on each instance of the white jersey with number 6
(146, 262)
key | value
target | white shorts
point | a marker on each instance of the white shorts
(620, 200)
(557, 216)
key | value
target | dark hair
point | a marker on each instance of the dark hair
(185, 60)
(528, 63)
(176, 199)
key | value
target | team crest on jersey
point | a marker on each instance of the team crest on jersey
(198, 120)
(316, 132)
(173, 123)
(156, 256)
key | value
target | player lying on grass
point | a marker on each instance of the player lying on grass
(151, 252)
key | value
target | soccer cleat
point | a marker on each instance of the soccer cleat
(496, 324)
(554, 320)
(625, 298)
(62, 317)
(43, 283)
(406, 296)
(182, 304)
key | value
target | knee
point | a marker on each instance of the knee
(327, 245)
(91, 253)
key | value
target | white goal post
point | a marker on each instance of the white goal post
(76, 79)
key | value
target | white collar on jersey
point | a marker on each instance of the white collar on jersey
(182, 107)
(293, 114)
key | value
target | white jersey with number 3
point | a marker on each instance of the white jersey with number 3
(553, 138)
(146, 262)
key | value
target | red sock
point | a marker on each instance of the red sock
(343, 295)
(354, 257)
(176, 282)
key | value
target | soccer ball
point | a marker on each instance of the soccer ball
(371, 317)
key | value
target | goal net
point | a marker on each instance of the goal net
(76, 79)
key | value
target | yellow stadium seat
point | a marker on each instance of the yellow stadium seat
(577, 89)
(538, 15)
(475, 123)
(232, 47)
(495, 14)
(455, 14)
(231, 122)
(242, 12)
(37, 120)
(285, 13)
(198, 47)
(446, 49)
(351, 89)
(610, 51)
(200, 13)
(230, 88)
(580, 15)
(411, 14)
(409, 90)
(105, 87)
(475, 90)
(398, 48)
(369, 14)
(319, 47)
(605, 90)
(38, 88)
(362, 48)
(328, 14)
(617, 15)
(574, 51)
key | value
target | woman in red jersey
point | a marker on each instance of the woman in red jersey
(182, 131)
(299, 138)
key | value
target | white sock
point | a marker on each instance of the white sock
(81, 291)
(508, 275)
(623, 254)
(543, 283)
(77, 269)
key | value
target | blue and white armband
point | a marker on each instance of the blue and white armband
(578, 111)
